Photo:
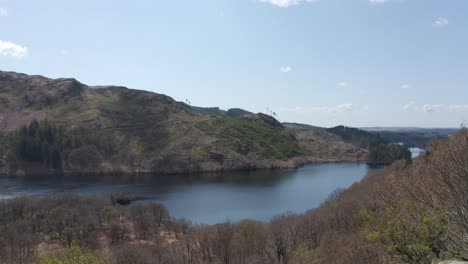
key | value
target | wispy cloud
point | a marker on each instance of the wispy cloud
(405, 86)
(341, 108)
(425, 108)
(344, 108)
(343, 84)
(378, 1)
(440, 22)
(287, 3)
(3, 12)
(461, 107)
(429, 108)
(286, 69)
(11, 49)
(409, 105)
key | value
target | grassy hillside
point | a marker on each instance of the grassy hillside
(245, 136)
(116, 129)
(233, 112)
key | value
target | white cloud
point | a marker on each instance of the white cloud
(286, 69)
(463, 107)
(343, 84)
(409, 105)
(11, 49)
(378, 1)
(440, 22)
(405, 86)
(344, 108)
(286, 3)
(428, 108)
(3, 12)
(341, 108)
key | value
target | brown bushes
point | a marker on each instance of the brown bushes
(405, 213)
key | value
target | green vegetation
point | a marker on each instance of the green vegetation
(43, 143)
(404, 230)
(233, 112)
(380, 151)
(82, 129)
(73, 255)
(412, 213)
(57, 148)
(388, 153)
(246, 136)
(358, 137)
(4, 144)
(413, 139)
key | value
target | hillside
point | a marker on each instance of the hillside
(406, 213)
(233, 112)
(380, 150)
(85, 129)
(412, 137)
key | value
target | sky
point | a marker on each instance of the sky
(322, 62)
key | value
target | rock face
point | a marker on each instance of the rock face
(139, 131)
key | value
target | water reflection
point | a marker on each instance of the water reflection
(208, 198)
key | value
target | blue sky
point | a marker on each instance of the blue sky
(325, 62)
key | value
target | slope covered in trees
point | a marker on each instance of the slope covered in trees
(405, 213)
(380, 151)
(63, 125)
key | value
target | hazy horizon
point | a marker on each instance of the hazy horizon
(363, 63)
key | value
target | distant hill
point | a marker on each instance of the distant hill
(412, 136)
(304, 126)
(444, 131)
(113, 129)
(233, 112)
(380, 150)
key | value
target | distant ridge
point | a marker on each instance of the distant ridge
(305, 126)
(410, 129)
(232, 112)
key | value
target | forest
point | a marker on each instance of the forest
(55, 148)
(380, 151)
(409, 212)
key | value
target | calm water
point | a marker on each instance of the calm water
(416, 152)
(210, 198)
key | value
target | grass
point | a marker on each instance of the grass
(247, 137)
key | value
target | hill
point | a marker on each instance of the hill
(305, 126)
(233, 112)
(439, 131)
(110, 129)
(412, 136)
(380, 150)
(406, 213)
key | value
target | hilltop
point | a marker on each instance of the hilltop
(109, 129)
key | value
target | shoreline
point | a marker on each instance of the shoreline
(264, 165)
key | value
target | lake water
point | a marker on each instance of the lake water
(209, 198)
(416, 152)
